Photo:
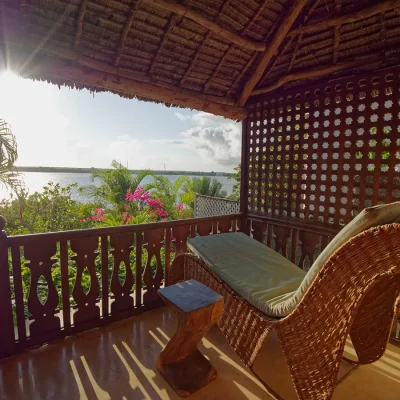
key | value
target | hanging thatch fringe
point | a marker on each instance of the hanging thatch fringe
(71, 72)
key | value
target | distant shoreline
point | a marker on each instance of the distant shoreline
(134, 171)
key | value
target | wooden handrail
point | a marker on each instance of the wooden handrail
(86, 233)
(303, 225)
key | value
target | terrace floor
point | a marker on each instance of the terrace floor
(118, 362)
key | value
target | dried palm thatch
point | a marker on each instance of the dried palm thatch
(210, 55)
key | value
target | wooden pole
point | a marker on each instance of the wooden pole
(244, 169)
(60, 71)
(7, 338)
(349, 18)
(273, 47)
(206, 23)
(127, 27)
(314, 73)
(80, 23)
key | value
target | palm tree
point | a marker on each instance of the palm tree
(115, 183)
(9, 177)
(170, 193)
(206, 187)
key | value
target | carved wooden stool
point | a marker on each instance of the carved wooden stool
(198, 308)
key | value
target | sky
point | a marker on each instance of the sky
(64, 127)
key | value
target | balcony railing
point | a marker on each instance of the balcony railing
(55, 284)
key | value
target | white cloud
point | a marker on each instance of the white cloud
(182, 117)
(216, 139)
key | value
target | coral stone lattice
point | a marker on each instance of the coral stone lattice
(327, 151)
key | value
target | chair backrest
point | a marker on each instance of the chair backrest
(368, 218)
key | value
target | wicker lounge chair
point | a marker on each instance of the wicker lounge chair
(353, 293)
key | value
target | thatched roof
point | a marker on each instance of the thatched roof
(211, 55)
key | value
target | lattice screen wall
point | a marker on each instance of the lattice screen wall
(325, 152)
(206, 206)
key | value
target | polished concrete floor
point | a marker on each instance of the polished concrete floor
(118, 362)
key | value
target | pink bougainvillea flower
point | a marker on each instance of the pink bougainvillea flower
(179, 207)
(154, 203)
(99, 211)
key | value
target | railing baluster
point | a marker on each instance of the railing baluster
(19, 294)
(7, 337)
(65, 286)
(294, 245)
(138, 291)
(104, 276)
(167, 255)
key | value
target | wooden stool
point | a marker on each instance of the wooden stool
(197, 308)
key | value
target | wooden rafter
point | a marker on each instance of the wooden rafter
(300, 38)
(382, 33)
(367, 12)
(251, 60)
(336, 40)
(202, 44)
(171, 23)
(206, 23)
(80, 23)
(127, 27)
(72, 72)
(289, 42)
(273, 47)
(315, 73)
(227, 52)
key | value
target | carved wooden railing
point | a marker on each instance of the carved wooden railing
(299, 241)
(125, 266)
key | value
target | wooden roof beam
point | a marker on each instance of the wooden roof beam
(230, 48)
(127, 27)
(66, 71)
(349, 18)
(273, 47)
(315, 73)
(202, 44)
(206, 23)
(80, 23)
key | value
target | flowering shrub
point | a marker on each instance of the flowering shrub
(140, 206)
(99, 215)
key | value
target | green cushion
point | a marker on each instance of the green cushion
(267, 280)
(250, 268)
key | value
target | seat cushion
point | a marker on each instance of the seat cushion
(253, 270)
(267, 280)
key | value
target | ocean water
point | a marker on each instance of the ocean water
(34, 182)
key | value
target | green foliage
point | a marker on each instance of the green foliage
(236, 187)
(170, 193)
(115, 182)
(9, 177)
(49, 211)
(206, 187)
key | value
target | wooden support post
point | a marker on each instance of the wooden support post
(243, 178)
(7, 338)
